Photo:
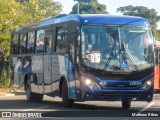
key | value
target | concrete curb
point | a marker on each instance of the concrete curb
(3, 94)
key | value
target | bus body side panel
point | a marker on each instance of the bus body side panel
(30, 66)
(16, 71)
(37, 70)
(61, 67)
(47, 73)
(55, 74)
(19, 68)
(71, 79)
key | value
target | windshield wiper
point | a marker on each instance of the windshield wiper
(110, 58)
(114, 52)
(130, 56)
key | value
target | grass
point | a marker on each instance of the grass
(7, 89)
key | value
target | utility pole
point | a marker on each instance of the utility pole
(77, 6)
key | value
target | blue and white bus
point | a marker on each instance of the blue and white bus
(85, 58)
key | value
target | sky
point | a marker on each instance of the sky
(112, 5)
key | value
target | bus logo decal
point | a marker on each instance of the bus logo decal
(124, 64)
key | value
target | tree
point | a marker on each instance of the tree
(150, 14)
(21, 1)
(15, 13)
(38, 9)
(11, 16)
(23, 12)
(89, 7)
(156, 34)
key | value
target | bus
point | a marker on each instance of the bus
(157, 68)
(91, 57)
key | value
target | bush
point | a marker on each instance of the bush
(4, 79)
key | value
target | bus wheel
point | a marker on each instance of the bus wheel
(39, 97)
(30, 96)
(126, 104)
(66, 101)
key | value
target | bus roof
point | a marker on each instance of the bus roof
(86, 19)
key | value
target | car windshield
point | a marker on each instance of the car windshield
(113, 48)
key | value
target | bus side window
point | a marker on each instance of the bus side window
(22, 43)
(61, 40)
(30, 42)
(40, 41)
(71, 46)
(48, 43)
(14, 48)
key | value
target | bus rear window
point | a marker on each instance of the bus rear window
(22, 43)
(30, 42)
(14, 48)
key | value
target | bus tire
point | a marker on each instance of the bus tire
(66, 101)
(30, 95)
(126, 104)
(38, 97)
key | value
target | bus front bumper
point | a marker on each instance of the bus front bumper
(117, 95)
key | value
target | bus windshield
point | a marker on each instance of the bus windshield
(117, 48)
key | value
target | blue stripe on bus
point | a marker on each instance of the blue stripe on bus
(70, 78)
(100, 19)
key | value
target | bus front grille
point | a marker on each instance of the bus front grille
(121, 87)
(119, 95)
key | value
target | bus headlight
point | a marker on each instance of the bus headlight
(147, 84)
(90, 83)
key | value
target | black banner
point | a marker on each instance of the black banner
(89, 113)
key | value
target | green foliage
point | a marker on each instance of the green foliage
(4, 79)
(22, 1)
(15, 13)
(36, 10)
(85, 0)
(156, 34)
(89, 7)
(150, 14)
